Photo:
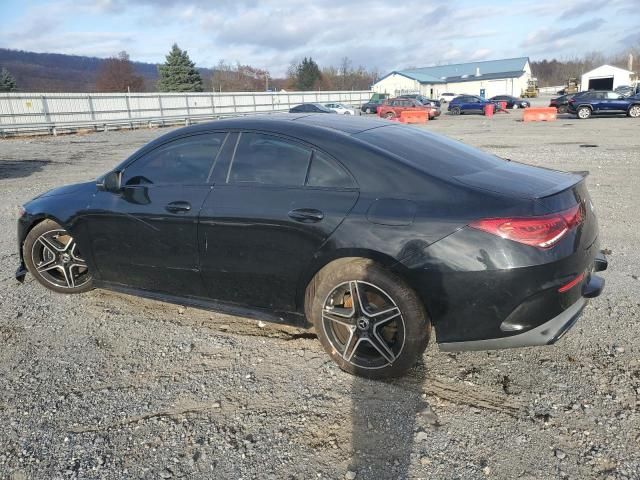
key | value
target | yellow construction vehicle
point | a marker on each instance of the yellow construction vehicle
(532, 89)
(572, 85)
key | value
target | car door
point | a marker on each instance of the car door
(272, 206)
(598, 101)
(616, 102)
(477, 103)
(146, 235)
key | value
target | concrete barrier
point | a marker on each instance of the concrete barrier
(414, 116)
(539, 114)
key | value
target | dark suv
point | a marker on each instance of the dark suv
(585, 104)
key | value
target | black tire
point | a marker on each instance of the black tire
(456, 111)
(389, 116)
(583, 112)
(634, 111)
(406, 335)
(52, 257)
(368, 110)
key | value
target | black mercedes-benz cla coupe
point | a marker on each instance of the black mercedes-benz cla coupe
(373, 232)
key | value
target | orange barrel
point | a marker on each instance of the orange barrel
(488, 109)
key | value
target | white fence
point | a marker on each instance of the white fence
(51, 112)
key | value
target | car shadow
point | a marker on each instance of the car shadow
(387, 418)
(391, 418)
(21, 168)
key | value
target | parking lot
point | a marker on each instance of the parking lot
(104, 385)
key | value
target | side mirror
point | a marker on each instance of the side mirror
(110, 182)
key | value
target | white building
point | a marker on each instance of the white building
(488, 78)
(605, 77)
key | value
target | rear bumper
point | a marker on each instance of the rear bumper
(546, 334)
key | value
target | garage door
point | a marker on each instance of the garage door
(605, 83)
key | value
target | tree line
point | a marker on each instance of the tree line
(556, 72)
(179, 73)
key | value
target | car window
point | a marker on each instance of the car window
(424, 149)
(269, 160)
(186, 160)
(324, 172)
(613, 95)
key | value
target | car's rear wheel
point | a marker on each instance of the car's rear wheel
(515, 106)
(53, 258)
(455, 111)
(368, 320)
(389, 116)
(584, 113)
(634, 111)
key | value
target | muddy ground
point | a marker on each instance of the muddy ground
(104, 385)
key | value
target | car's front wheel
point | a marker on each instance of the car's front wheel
(455, 111)
(634, 111)
(53, 258)
(368, 110)
(389, 116)
(368, 320)
(584, 113)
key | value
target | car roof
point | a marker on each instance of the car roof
(284, 123)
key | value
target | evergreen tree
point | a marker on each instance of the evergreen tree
(308, 74)
(7, 82)
(178, 73)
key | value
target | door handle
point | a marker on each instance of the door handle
(306, 215)
(178, 207)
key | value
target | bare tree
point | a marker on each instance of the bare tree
(117, 74)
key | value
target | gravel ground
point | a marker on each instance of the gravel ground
(104, 385)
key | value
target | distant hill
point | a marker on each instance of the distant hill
(55, 72)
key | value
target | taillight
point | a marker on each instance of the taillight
(542, 232)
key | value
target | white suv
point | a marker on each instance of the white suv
(447, 97)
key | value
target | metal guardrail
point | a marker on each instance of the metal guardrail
(51, 113)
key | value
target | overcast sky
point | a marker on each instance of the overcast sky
(271, 33)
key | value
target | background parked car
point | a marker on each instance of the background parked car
(423, 100)
(340, 108)
(625, 90)
(394, 107)
(467, 104)
(512, 102)
(596, 102)
(447, 97)
(311, 108)
(561, 102)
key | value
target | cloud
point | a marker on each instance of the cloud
(268, 34)
(557, 36)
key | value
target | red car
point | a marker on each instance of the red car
(392, 108)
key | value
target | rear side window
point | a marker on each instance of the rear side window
(183, 161)
(324, 172)
(269, 160)
(429, 152)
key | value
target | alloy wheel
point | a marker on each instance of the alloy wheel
(363, 324)
(584, 113)
(635, 111)
(57, 259)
